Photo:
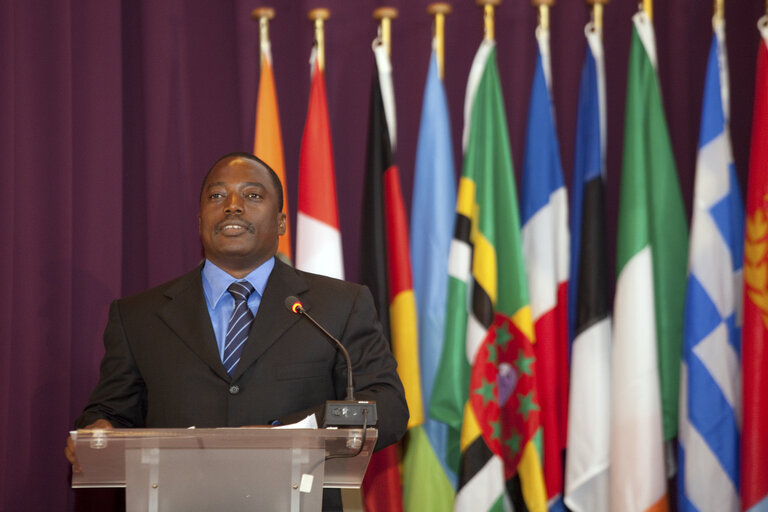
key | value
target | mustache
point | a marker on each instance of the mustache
(231, 220)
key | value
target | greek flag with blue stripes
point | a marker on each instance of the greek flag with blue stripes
(710, 390)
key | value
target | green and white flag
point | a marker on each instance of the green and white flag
(651, 262)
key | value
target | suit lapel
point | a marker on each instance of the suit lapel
(273, 318)
(187, 315)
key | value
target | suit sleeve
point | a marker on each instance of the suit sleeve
(374, 369)
(120, 395)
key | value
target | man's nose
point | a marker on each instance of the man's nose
(234, 204)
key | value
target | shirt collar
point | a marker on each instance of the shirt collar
(216, 281)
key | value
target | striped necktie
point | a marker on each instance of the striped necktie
(237, 330)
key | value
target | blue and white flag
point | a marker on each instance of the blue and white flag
(710, 380)
(587, 462)
(544, 231)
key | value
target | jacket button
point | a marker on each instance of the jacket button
(233, 390)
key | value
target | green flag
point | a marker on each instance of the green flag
(651, 260)
(486, 382)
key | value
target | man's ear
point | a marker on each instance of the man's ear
(281, 219)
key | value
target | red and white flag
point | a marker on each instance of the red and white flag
(318, 238)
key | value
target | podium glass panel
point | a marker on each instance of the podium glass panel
(222, 469)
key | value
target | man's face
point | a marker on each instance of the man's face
(239, 222)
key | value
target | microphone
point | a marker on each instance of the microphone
(339, 412)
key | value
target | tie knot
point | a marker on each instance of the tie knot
(240, 290)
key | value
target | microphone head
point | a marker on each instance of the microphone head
(294, 304)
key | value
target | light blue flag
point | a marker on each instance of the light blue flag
(433, 210)
(710, 390)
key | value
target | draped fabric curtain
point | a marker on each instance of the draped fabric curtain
(112, 111)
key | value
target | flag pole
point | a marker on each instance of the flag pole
(543, 6)
(597, 12)
(318, 16)
(263, 15)
(439, 10)
(385, 15)
(488, 6)
(648, 8)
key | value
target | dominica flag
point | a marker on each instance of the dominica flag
(651, 256)
(386, 269)
(587, 457)
(754, 356)
(430, 486)
(544, 215)
(486, 385)
(710, 383)
(318, 237)
(268, 139)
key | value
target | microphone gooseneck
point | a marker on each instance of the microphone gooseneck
(294, 305)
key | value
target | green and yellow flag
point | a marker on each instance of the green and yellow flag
(486, 383)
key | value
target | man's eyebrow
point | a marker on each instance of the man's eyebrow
(245, 183)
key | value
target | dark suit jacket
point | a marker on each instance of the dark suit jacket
(162, 367)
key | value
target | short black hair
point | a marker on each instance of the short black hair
(249, 156)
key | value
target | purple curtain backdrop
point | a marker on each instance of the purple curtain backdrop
(111, 112)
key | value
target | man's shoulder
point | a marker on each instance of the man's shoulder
(163, 291)
(319, 281)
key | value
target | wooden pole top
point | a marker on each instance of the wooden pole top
(263, 12)
(539, 3)
(492, 3)
(439, 8)
(321, 13)
(385, 13)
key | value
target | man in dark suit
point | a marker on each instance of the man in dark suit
(167, 363)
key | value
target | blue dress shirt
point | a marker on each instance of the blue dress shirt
(220, 302)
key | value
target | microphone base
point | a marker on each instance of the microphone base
(349, 413)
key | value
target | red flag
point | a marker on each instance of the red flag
(318, 238)
(754, 356)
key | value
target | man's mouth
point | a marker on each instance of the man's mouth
(233, 227)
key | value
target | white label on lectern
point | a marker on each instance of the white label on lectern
(306, 483)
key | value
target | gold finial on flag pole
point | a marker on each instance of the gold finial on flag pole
(439, 10)
(319, 15)
(720, 10)
(597, 12)
(385, 15)
(648, 8)
(488, 6)
(543, 6)
(263, 15)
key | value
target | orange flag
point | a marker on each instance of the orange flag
(268, 141)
